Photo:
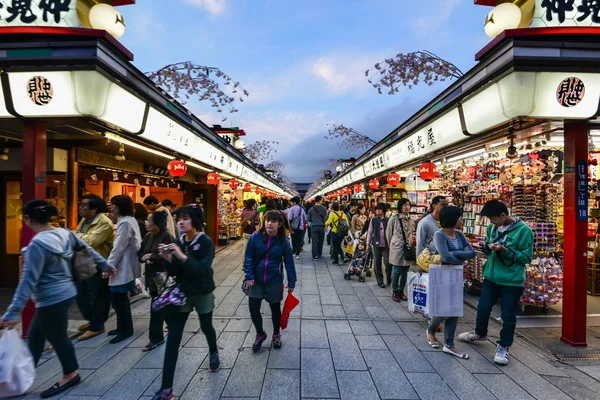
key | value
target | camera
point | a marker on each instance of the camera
(165, 249)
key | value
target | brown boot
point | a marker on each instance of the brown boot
(396, 297)
(89, 334)
(84, 327)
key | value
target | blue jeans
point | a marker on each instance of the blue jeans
(450, 324)
(399, 275)
(318, 237)
(510, 296)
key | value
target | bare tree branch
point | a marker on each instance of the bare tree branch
(184, 80)
(261, 150)
(410, 69)
(351, 139)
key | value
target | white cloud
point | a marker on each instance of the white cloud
(344, 73)
(215, 7)
(146, 24)
(286, 127)
(431, 25)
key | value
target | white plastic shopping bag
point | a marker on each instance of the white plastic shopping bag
(17, 370)
(418, 289)
(446, 285)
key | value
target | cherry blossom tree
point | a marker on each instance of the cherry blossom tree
(409, 70)
(261, 150)
(186, 80)
(352, 139)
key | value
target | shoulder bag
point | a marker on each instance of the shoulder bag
(427, 257)
(83, 264)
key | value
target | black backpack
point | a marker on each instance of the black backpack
(342, 226)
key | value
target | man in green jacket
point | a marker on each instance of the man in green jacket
(93, 297)
(509, 247)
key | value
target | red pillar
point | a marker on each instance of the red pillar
(574, 315)
(34, 187)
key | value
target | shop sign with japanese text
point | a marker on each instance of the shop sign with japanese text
(582, 190)
(566, 13)
(374, 165)
(39, 13)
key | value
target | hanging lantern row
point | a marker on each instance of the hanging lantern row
(213, 178)
(348, 190)
(177, 168)
(374, 184)
(393, 179)
(247, 187)
(234, 184)
(358, 188)
(428, 171)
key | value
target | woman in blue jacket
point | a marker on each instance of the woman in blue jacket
(267, 252)
(455, 249)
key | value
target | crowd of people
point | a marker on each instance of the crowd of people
(168, 248)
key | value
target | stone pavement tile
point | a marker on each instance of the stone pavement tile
(233, 279)
(534, 362)
(366, 296)
(133, 383)
(573, 388)
(477, 363)
(188, 362)
(35, 394)
(334, 327)
(318, 378)
(199, 340)
(155, 358)
(591, 370)
(333, 311)
(329, 297)
(192, 324)
(106, 351)
(397, 311)
(356, 385)
(105, 377)
(80, 398)
(314, 335)
(281, 384)
(293, 323)
(406, 354)
(140, 308)
(325, 282)
(352, 306)
(462, 383)
(430, 386)
(363, 328)
(311, 305)
(239, 325)
(206, 385)
(503, 387)
(143, 339)
(247, 375)
(220, 293)
(344, 287)
(288, 357)
(389, 379)
(309, 286)
(534, 384)
(416, 334)
(584, 378)
(230, 345)
(377, 312)
(230, 304)
(370, 342)
(345, 352)
(387, 328)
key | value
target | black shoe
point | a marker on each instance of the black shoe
(315, 258)
(113, 332)
(259, 341)
(215, 363)
(119, 338)
(381, 285)
(56, 389)
(277, 341)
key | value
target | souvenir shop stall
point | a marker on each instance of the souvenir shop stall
(230, 211)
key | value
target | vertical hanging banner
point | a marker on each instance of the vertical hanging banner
(582, 190)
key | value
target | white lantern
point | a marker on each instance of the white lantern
(106, 17)
(502, 17)
(239, 144)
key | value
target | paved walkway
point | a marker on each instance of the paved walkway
(347, 340)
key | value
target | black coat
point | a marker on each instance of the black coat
(158, 264)
(195, 275)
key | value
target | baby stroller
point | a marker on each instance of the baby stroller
(361, 269)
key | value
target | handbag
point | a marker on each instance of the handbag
(171, 296)
(410, 253)
(427, 257)
(83, 264)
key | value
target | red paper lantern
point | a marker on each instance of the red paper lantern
(213, 178)
(247, 187)
(177, 168)
(374, 184)
(428, 171)
(233, 184)
(358, 188)
(257, 190)
(393, 179)
(348, 190)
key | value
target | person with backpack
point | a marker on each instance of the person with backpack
(317, 215)
(509, 247)
(338, 221)
(399, 236)
(376, 237)
(48, 278)
(267, 253)
(297, 218)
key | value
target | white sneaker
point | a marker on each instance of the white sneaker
(470, 337)
(501, 357)
(297, 257)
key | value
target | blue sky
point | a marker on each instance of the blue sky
(303, 61)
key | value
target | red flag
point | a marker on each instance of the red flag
(290, 303)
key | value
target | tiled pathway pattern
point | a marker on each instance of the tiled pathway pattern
(347, 340)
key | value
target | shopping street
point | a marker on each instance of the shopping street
(346, 340)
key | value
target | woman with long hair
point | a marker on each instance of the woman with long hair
(48, 278)
(190, 263)
(155, 265)
(124, 258)
(268, 251)
(399, 235)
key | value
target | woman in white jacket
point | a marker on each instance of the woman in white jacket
(124, 258)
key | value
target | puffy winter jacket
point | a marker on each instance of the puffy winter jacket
(265, 258)
(195, 275)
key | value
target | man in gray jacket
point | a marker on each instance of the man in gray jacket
(317, 215)
(429, 224)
